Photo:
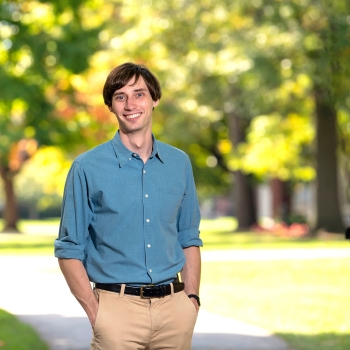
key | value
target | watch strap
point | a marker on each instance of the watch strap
(194, 296)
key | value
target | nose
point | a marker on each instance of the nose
(129, 104)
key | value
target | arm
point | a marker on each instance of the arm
(73, 233)
(191, 272)
(79, 284)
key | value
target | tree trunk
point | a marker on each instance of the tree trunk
(244, 197)
(281, 200)
(244, 201)
(328, 214)
(10, 211)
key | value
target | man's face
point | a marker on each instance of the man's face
(133, 105)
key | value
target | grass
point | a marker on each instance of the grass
(306, 302)
(13, 244)
(218, 234)
(37, 239)
(15, 335)
(303, 301)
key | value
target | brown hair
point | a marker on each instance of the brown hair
(122, 74)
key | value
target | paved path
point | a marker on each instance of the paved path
(38, 294)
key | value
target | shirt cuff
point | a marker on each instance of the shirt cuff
(189, 238)
(69, 250)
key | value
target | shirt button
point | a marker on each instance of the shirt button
(148, 245)
(144, 171)
(148, 220)
(129, 158)
(150, 270)
(146, 195)
(134, 154)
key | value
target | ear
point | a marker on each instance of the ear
(155, 103)
(110, 109)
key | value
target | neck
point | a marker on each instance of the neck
(141, 144)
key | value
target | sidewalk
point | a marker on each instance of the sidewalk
(40, 297)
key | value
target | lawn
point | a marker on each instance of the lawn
(37, 239)
(306, 302)
(15, 335)
(218, 234)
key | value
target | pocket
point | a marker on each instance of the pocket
(189, 301)
(98, 297)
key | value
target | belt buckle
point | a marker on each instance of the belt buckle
(141, 291)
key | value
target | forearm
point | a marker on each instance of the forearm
(79, 284)
(191, 272)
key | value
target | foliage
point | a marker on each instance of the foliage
(253, 60)
(40, 183)
(43, 45)
(15, 335)
(248, 58)
(277, 147)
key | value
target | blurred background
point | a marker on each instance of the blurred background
(255, 91)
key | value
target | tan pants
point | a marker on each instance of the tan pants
(126, 322)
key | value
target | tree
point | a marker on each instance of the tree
(40, 184)
(320, 52)
(43, 45)
(196, 80)
(331, 57)
(225, 67)
(226, 63)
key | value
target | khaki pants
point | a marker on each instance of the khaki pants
(126, 322)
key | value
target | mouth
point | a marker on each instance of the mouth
(132, 116)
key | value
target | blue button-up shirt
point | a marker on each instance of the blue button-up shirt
(127, 221)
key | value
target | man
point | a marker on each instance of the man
(129, 225)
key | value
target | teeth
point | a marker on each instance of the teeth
(132, 116)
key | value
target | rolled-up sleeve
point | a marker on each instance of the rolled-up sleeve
(76, 216)
(189, 214)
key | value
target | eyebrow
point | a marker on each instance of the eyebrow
(123, 93)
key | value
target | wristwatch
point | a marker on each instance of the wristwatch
(194, 296)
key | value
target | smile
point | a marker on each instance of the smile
(132, 116)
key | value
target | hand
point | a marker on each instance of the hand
(92, 315)
(194, 301)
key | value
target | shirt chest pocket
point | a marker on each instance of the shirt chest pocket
(168, 205)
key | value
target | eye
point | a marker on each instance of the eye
(139, 94)
(120, 98)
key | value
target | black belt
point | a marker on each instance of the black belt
(145, 292)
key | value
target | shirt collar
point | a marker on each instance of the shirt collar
(123, 154)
